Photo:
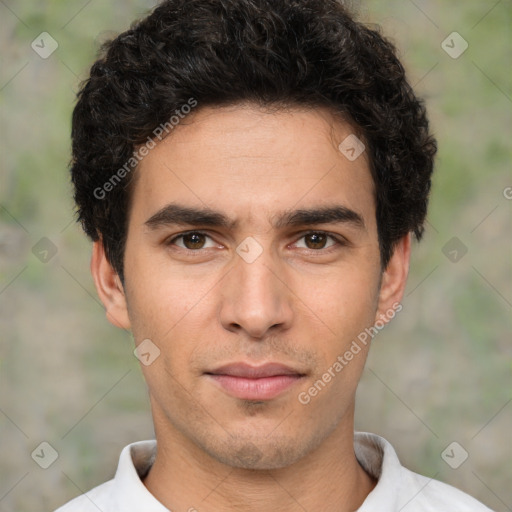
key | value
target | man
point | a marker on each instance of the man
(251, 173)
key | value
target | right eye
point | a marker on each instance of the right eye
(191, 241)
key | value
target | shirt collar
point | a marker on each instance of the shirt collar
(374, 453)
(379, 459)
(129, 493)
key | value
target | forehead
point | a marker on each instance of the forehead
(253, 162)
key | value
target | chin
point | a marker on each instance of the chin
(259, 455)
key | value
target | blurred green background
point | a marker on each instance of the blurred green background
(441, 372)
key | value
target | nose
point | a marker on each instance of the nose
(255, 297)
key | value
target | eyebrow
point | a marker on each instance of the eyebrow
(174, 213)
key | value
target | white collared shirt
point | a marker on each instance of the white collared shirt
(397, 489)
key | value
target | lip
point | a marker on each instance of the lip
(247, 382)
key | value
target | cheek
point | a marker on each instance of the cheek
(170, 308)
(346, 307)
(344, 301)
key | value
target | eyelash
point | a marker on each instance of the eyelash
(340, 242)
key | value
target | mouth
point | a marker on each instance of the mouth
(247, 382)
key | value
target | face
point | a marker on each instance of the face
(252, 264)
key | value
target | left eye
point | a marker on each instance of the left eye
(195, 240)
(316, 241)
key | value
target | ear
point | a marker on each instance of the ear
(109, 287)
(394, 279)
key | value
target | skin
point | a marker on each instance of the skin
(301, 303)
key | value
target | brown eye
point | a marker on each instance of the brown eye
(192, 241)
(316, 240)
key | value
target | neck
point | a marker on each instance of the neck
(184, 477)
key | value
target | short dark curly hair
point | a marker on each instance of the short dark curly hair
(276, 53)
